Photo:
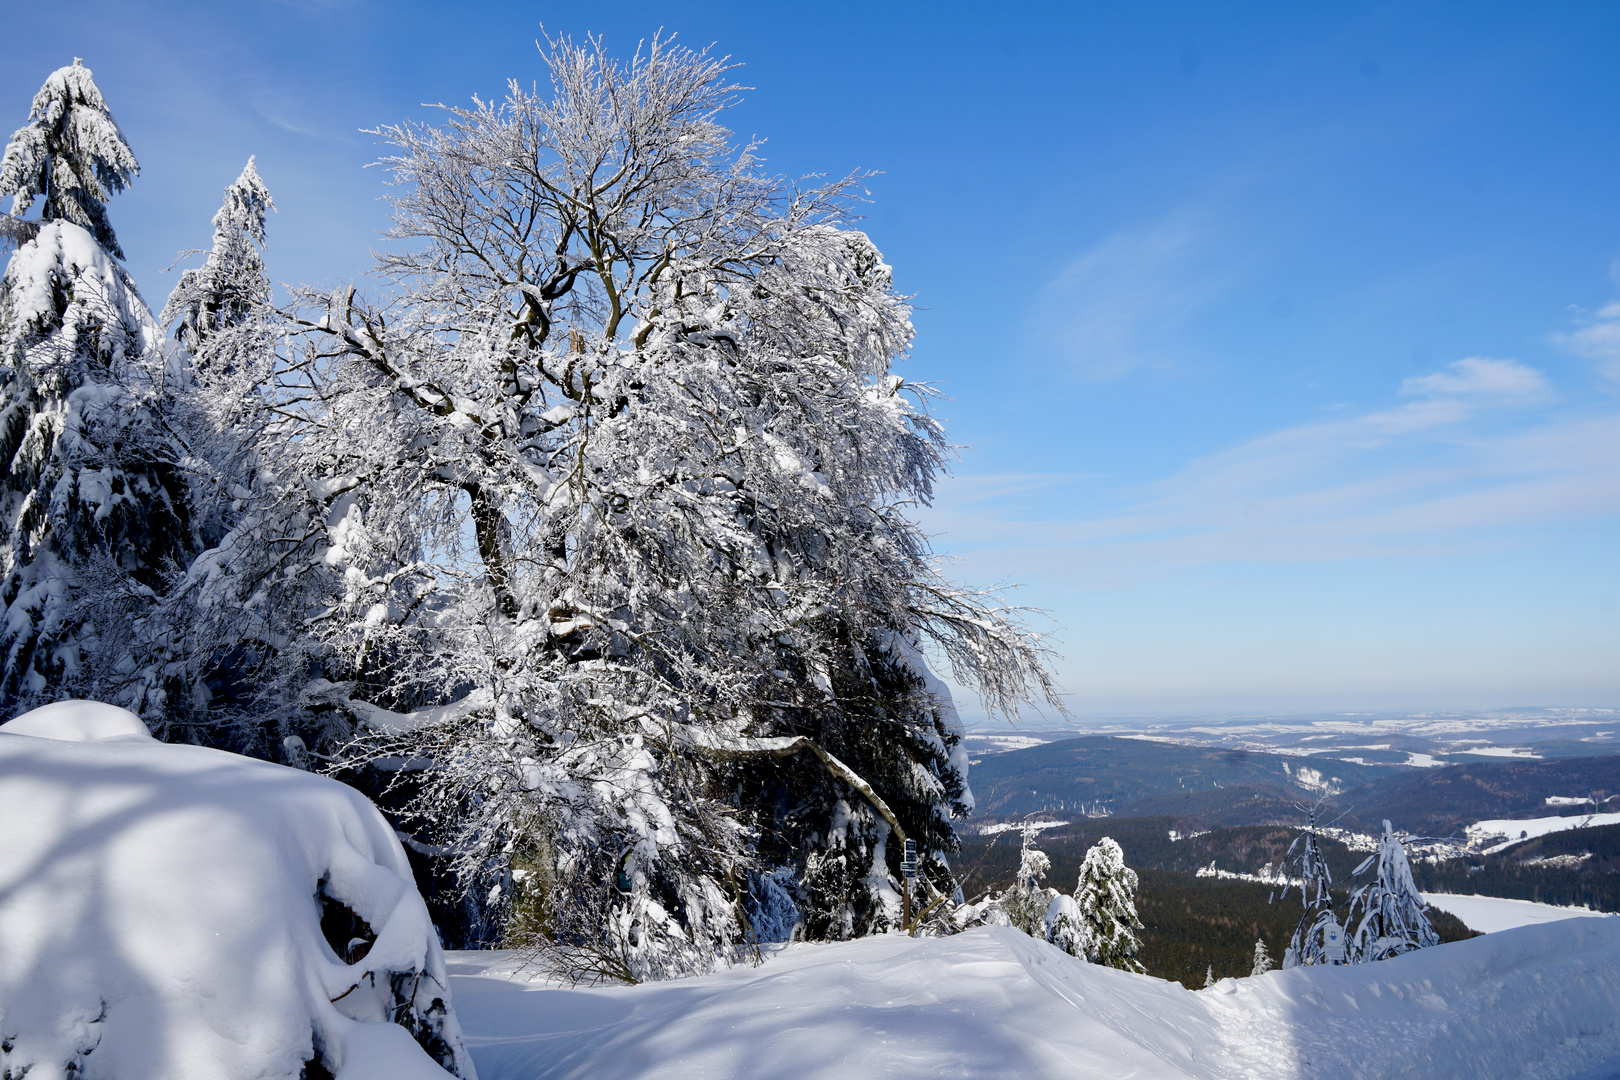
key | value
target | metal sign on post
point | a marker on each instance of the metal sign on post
(1333, 941)
(908, 869)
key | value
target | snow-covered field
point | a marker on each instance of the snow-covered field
(1490, 914)
(1529, 828)
(1537, 1002)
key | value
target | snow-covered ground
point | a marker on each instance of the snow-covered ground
(1529, 828)
(1490, 914)
(1536, 1002)
(159, 917)
(1008, 826)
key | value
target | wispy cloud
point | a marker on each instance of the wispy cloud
(1115, 307)
(1419, 477)
(1598, 340)
(1479, 376)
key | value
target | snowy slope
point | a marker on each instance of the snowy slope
(1541, 1002)
(159, 916)
(1530, 828)
(1490, 914)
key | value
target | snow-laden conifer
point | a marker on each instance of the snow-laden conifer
(600, 515)
(231, 288)
(1309, 869)
(94, 500)
(1106, 898)
(1262, 958)
(1387, 916)
(190, 652)
(71, 154)
(1027, 901)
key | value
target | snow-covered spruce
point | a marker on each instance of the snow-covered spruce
(94, 501)
(597, 523)
(234, 401)
(71, 154)
(1027, 901)
(230, 290)
(183, 912)
(1105, 897)
(1387, 916)
(1262, 958)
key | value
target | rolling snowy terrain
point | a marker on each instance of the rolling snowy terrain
(1540, 1001)
(1493, 914)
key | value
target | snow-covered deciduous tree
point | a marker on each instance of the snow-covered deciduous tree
(94, 495)
(1315, 883)
(1106, 898)
(1387, 916)
(72, 154)
(1262, 958)
(597, 523)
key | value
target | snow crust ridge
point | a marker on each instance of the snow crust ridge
(78, 721)
(1535, 1002)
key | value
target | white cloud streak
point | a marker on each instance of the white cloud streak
(1599, 340)
(1480, 376)
(1112, 310)
(1425, 477)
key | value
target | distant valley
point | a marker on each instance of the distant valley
(1108, 776)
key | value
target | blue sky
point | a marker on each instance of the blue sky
(1283, 341)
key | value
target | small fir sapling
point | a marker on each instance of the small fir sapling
(1106, 898)
(1262, 958)
(1310, 870)
(1027, 902)
(1387, 916)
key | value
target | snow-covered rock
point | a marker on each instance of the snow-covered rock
(165, 912)
(1541, 1001)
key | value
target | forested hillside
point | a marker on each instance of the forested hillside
(1440, 802)
(1205, 787)
(1103, 774)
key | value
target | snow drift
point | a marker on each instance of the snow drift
(1537, 1002)
(178, 912)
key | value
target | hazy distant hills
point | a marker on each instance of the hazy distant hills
(1103, 774)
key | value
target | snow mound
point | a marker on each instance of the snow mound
(177, 912)
(78, 721)
(1538, 1002)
